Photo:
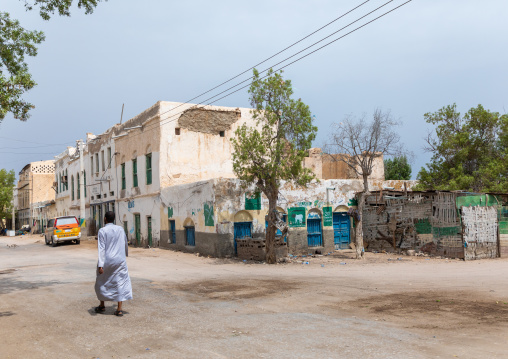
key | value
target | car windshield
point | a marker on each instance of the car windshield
(64, 221)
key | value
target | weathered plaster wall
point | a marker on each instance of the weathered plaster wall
(214, 206)
(327, 166)
(198, 152)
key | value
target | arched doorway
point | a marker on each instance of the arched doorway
(314, 229)
(341, 228)
(242, 226)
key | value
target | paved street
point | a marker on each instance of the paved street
(187, 306)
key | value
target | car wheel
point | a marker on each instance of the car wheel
(77, 241)
(53, 243)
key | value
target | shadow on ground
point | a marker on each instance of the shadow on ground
(6, 314)
(12, 284)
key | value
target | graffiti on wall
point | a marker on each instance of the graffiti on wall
(130, 204)
(208, 211)
(296, 217)
(327, 216)
(352, 202)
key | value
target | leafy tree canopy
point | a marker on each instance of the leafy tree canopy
(15, 44)
(274, 149)
(469, 151)
(15, 80)
(62, 7)
(397, 168)
(7, 179)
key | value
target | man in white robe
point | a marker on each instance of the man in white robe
(112, 282)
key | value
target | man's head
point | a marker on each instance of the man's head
(109, 217)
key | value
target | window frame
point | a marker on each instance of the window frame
(103, 161)
(148, 161)
(109, 157)
(79, 187)
(135, 173)
(124, 182)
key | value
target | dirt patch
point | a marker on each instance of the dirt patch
(243, 289)
(7, 271)
(436, 309)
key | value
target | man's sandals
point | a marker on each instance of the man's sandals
(100, 309)
(119, 313)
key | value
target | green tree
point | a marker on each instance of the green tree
(273, 150)
(7, 179)
(358, 143)
(397, 168)
(15, 80)
(15, 44)
(469, 151)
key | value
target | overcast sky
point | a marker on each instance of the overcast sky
(417, 59)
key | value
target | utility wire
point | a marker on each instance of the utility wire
(248, 79)
(278, 53)
(168, 120)
(37, 143)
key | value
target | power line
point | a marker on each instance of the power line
(22, 148)
(30, 153)
(274, 55)
(280, 68)
(225, 82)
(37, 143)
(278, 53)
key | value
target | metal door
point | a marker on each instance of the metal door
(149, 220)
(314, 234)
(190, 236)
(172, 233)
(137, 228)
(242, 230)
(341, 227)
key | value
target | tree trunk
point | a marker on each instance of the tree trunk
(360, 251)
(271, 230)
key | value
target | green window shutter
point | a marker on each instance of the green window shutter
(79, 188)
(135, 172)
(72, 188)
(149, 168)
(123, 176)
(84, 181)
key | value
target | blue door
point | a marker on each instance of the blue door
(314, 234)
(190, 236)
(172, 233)
(341, 227)
(242, 230)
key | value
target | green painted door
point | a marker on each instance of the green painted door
(150, 231)
(137, 228)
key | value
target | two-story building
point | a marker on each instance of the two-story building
(168, 175)
(34, 192)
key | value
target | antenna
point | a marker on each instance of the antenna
(121, 116)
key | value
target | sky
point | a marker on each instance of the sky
(417, 59)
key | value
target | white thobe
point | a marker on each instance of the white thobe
(114, 284)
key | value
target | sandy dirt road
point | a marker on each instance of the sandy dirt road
(187, 306)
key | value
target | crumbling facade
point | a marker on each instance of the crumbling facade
(450, 224)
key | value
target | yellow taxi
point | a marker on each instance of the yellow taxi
(62, 229)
